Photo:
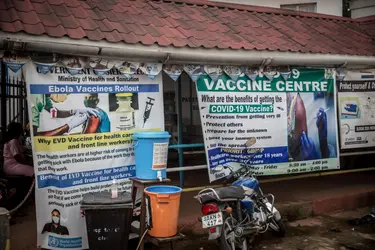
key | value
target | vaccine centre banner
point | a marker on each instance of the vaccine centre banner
(356, 100)
(82, 128)
(292, 119)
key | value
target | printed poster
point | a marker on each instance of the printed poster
(356, 100)
(278, 126)
(82, 129)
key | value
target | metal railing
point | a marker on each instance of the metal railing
(13, 98)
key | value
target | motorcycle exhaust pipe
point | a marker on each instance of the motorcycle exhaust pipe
(239, 232)
(247, 233)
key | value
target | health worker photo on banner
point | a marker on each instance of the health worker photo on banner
(69, 114)
(311, 126)
(63, 114)
(276, 124)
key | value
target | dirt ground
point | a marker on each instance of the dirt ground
(330, 232)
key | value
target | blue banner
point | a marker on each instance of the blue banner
(87, 177)
(92, 88)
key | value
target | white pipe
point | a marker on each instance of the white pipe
(84, 47)
(181, 55)
(194, 152)
(187, 168)
(358, 153)
(63, 49)
(242, 57)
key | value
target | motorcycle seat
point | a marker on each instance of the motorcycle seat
(231, 193)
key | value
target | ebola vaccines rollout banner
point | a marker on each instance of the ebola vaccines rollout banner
(356, 100)
(82, 127)
(280, 123)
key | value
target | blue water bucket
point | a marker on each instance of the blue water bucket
(151, 154)
(164, 189)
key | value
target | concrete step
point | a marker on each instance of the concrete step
(299, 210)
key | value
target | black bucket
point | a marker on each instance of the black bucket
(108, 220)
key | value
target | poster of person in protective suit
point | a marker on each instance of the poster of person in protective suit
(311, 118)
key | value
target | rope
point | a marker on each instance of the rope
(24, 199)
(141, 239)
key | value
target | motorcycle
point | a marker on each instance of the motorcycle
(235, 214)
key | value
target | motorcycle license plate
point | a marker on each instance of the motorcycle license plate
(212, 220)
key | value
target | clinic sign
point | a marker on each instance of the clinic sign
(248, 85)
(82, 128)
(293, 120)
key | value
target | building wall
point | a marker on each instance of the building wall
(362, 8)
(330, 7)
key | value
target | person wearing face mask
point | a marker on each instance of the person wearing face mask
(54, 226)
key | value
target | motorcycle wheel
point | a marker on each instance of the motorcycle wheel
(227, 240)
(278, 227)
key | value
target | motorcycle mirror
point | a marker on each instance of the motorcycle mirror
(251, 142)
(219, 168)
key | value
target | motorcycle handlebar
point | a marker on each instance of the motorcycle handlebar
(248, 170)
(240, 172)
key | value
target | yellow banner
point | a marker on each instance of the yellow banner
(83, 141)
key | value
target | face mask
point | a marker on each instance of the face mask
(90, 103)
(56, 219)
